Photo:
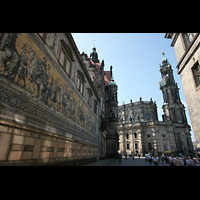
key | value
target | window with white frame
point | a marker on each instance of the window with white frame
(65, 58)
(80, 81)
(187, 38)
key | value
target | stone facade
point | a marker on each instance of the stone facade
(111, 117)
(186, 46)
(139, 130)
(108, 106)
(44, 112)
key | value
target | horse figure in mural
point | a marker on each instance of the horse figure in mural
(36, 71)
(54, 91)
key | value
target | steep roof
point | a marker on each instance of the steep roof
(107, 77)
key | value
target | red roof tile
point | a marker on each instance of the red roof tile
(107, 77)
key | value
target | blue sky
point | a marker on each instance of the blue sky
(135, 58)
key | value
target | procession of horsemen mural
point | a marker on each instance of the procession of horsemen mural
(22, 62)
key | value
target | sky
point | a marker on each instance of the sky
(135, 58)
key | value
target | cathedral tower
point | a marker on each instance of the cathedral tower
(173, 109)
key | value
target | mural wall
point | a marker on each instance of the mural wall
(23, 63)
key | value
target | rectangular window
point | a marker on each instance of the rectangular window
(95, 107)
(81, 88)
(65, 60)
(136, 146)
(62, 57)
(78, 83)
(115, 113)
(127, 146)
(115, 97)
(187, 38)
(68, 66)
(196, 73)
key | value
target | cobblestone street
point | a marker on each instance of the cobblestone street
(125, 162)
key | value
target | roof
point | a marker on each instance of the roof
(97, 65)
(107, 77)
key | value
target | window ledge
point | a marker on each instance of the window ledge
(198, 88)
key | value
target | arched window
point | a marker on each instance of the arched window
(147, 116)
(149, 146)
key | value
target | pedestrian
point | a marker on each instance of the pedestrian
(166, 158)
(194, 160)
(190, 162)
(133, 156)
(139, 155)
(172, 160)
(120, 157)
(155, 161)
(178, 162)
(184, 160)
(126, 156)
(150, 159)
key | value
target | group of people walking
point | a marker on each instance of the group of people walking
(187, 160)
(125, 155)
(174, 161)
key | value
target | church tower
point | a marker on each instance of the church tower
(94, 55)
(111, 118)
(173, 109)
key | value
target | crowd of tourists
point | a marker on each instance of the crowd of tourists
(186, 160)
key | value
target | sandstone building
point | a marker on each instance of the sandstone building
(186, 46)
(139, 129)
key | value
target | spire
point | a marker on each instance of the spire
(112, 82)
(164, 60)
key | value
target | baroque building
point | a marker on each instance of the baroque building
(187, 49)
(141, 132)
(49, 105)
